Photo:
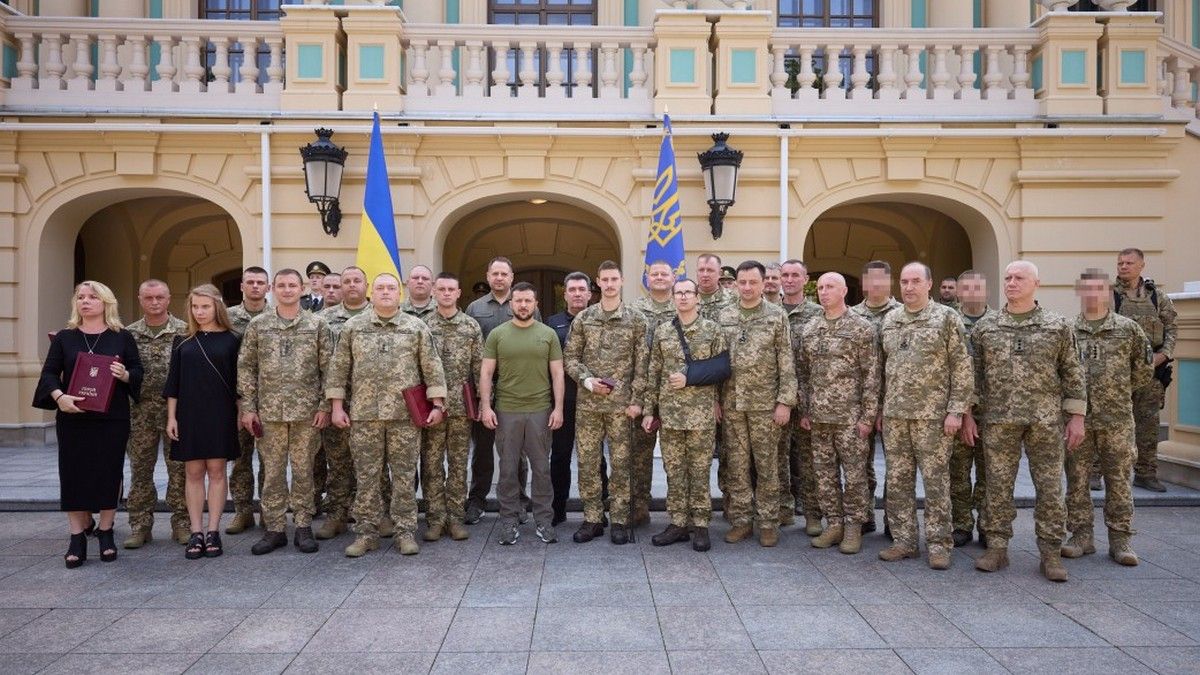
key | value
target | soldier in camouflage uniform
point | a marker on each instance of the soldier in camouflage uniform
(281, 369)
(929, 383)
(713, 296)
(418, 301)
(972, 294)
(445, 447)
(331, 297)
(657, 309)
(948, 292)
(155, 333)
(1143, 301)
(1116, 356)
(607, 342)
(381, 353)
(756, 403)
(878, 303)
(688, 415)
(797, 480)
(773, 283)
(336, 441)
(255, 282)
(839, 405)
(1027, 362)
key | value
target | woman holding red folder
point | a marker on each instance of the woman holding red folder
(91, 443)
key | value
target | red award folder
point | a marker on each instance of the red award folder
(470, 400)
(93, 381)
(418, 405)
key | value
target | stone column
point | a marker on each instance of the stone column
(373, 74)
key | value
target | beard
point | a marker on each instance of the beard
(522, 314)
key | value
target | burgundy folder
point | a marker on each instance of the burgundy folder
(418, 405)
(470, 400)
(93, 381)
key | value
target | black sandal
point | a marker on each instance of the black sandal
(195, 547)
(108, 547)
(212, 545)
(91, 527)
(77, 549)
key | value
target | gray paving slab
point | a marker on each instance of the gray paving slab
(744, 662)
(241, 664)
(1018, 625)
(1069, 661)
(137, 664)
(596, 629)
(382, 630)
(703, 628)
(942, 661)
(481, 663)
(503, 629)
(812, 627)
(1123, 626)
(822, 661)
(599, 663)
(1167, 660)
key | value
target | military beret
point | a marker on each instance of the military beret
(316, 267)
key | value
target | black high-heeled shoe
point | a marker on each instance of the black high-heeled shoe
(108, 547)
(78, 549)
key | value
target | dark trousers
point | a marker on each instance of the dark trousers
(524, 435)
(562, 445)
(483, 465)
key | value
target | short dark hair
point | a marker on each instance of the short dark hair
(1132, 251)
(286, 272)
(877, 265)
(501, 259)
(578, 276)
(752, 265)
(254, 269)
(524, 286)
(950, 277)
(1094, 273)
(607, 265)
(447, 275)
(795, 261)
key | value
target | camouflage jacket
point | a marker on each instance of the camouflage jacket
(282, 366)
(876, 314)
(1029, 370)
(760, 352)
(798, 317)
(1117, 359)
(969, 325)
(1158, 323)
(711, 306)
(156, 357)
(377, 359)
(240, 317)
(927, 372)
(419, 312)
(607, 347)
(338, 315)
(689, 407)
(460, 344)
(655, 314)
(840, 370)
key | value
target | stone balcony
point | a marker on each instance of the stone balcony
(345, 60)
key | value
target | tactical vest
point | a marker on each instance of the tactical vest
(1143, 310)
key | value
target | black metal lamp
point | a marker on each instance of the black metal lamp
(719, 164)
(323, 164)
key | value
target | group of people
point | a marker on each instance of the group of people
(792, 395)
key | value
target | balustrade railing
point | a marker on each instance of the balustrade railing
(1178, 71)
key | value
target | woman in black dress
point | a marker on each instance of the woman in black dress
(202, 412)
(91, 445)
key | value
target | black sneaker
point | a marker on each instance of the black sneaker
(474, 514)
(587, 532)
(547, 534)
(269, 542)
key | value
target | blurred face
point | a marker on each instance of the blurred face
(1093, 294)
(708, 275)
(610, 284)
(792, 279)
(385, 293)
(1129, 267)
(972, 290)
(749, 285)
(446, 292)
(523, 304)
(948, 289)
(154, 299)
(659, 277)
(831, 291)
(420, 283)
(315, 281)
(914, 287)
(1020, 282)
(288, 289)
(771, 282)
(500, 277)
(87, 303)
(331, 288)
(254, 286)
(684, 295)
(203, 309)
(354, 287)
(577, 294)
(877, 284)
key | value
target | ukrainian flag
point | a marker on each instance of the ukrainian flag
(666, 221)
(378, 251)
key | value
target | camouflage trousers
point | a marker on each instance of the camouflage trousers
(321, 473)
(591, 429)
(1043, 445)
(913, 444)
(641, 467)
(1113, 447)
(839, 460)
(872, 482)
(751, 446)
(963, 497)
(284, 444)
(335, 462)
(787, 502)
(378, 446)
(687, 458)
(804, 476)
(1147, 402)
(444, 452)
(241, 476)
(148, 425)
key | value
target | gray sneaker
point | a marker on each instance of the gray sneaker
(474, 514)
(509, 535)
(546, 533)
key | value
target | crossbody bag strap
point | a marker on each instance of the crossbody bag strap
(213, 366)
(687, 353)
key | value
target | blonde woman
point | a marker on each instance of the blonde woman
(91, 445)
(202, 420)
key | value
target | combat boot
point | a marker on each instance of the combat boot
(587, 532)
(961, 538)
(1080, 544)
(361, 545)
(181, 535)
(673, 534)
(331, 528)
(407, 545)
(993, 560)
(138, 538)
(768, 537)
(851, 541)
(303, 540)
(831, 536)
(1120, 550)
(240, 523)
(700, 539)
(812, 526)
(1051, 565)
(618, 534)
(457, 531)
(939, 559)
(1149, 483)
(433, 532)
(897, 552)
(269, 542)
(738, 533)
(786, 518)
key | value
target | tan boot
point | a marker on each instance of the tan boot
(738, 533)
(137, 538)
(812, 526)
(768, 537)
(897, 552)
(1120, 550)
(787, 518)
(433, 532)
(830, 537)
(386, 528)
(851, 541)
(1051, 565)
(407, 545)
(457, 531)
(181, 535)
(240, 523)
(1080, 544)
(939, 559)
(331, 528)
(361, 545)
(993, 560)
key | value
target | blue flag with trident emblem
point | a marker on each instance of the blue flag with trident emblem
(666, 220)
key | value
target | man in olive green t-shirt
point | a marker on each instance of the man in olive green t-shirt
(529, 402)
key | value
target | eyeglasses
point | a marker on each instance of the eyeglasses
(683, 294)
